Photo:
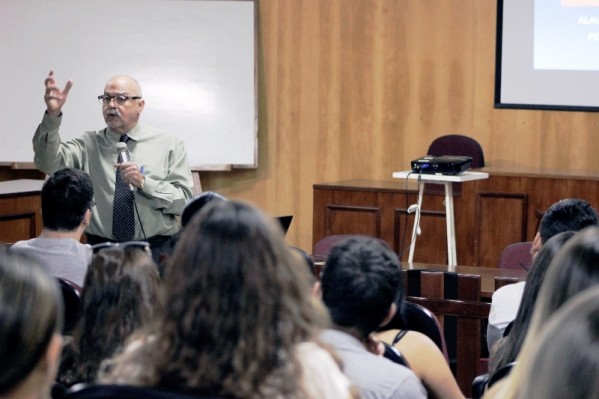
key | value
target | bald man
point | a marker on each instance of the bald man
(157, 173)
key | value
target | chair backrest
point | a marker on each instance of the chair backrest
(71, 296)
(485, 381)
(457, 144)
(455, 299)
(101, 391)
(516, 256)
(324, 245)
(416, 317)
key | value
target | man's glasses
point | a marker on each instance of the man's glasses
(120, 99)
(129, 244)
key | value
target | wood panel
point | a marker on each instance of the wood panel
(20, 210)
(356, 89)
(506, 210)
(489, 214)
(360, 219)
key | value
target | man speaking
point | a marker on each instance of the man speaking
(140, 174)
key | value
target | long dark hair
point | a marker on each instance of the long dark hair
(119, 295)
(510, 346)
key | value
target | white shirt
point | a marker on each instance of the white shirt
(504, 307)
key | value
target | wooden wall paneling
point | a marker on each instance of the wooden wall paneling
(17, 226)
(502, 219)
(355, 89)
(341, 219)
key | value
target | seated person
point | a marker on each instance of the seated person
(119, 296)
(426, 361)
(571, 214)
(507, 348)
(571, 366)
(360, 285)
(67, 201)
(30, 325)
(195, 205)
(574, 269)
(238, 318)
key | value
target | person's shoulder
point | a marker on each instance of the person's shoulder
(416, 338)
(508, 291)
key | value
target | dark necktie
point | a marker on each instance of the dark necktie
(123, 219)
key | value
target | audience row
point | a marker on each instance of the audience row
(235, 312)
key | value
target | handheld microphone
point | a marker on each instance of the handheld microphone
(123, 151)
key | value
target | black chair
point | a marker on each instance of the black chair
(108, 391)
(485, 381)
(71, 296)
(415, 317)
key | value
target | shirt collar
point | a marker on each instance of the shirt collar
(134, 134)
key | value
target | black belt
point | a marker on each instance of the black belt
(154, 241)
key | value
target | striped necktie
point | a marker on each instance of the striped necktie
(123, 218)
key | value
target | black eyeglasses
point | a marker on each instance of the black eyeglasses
(120, 99)
(144, 245)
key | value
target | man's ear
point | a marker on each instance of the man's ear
(390, 314)
(87, 217)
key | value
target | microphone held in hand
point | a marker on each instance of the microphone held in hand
(124, 156)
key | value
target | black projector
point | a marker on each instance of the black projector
(442, 165)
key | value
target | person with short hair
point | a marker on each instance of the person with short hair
(361, 287)
(31, 317)
(67, 201)
(570, 214)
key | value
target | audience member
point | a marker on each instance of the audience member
(192, 208)
(426, 360)
(571, 214)
(564, 360)
(361, 284)
(67, 201)
(238, 317)
(195, 205)
(119, 295)
(30, 325)
(574, 269)
(508, 348)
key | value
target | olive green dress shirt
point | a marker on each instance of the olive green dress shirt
(168, 181)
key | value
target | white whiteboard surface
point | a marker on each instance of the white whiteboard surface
(193, 58)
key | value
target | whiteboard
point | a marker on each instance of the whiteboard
(193, 58)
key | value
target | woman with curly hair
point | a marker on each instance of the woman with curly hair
(238, 318)
(119, 296)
